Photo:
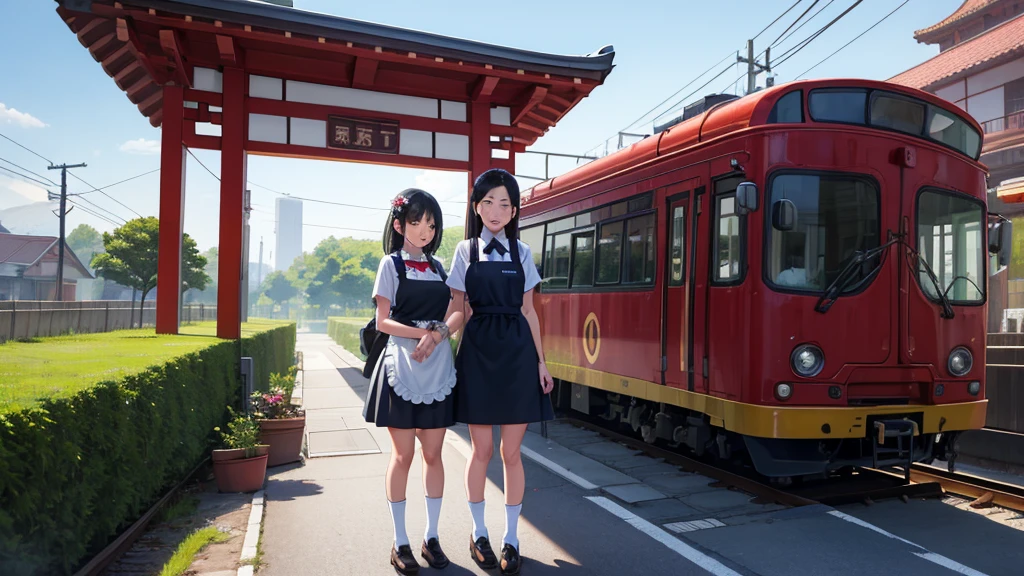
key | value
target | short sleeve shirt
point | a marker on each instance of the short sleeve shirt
(386, 283)
(457, 275)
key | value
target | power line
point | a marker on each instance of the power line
(20, 175)
(777, 19)
(96, 206)
(25, 148)
(36, 174)
(798, 18)
(88, 211)
(100, 189)
(796, 49)
(855, 39)
(688, 96)
(807, 21)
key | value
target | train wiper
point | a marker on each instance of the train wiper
(835, 289)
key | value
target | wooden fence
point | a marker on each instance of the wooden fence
(22, 319)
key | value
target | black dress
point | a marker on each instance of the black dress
(497, 364)
(415, 300)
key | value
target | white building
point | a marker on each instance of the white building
(288, 229)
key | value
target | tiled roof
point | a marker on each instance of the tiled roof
(966, 9)
(18, 249)
(998, 43)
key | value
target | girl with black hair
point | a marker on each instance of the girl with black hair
(502, 377)
(411, 385)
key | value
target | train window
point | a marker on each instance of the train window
(584, 219)
(950, 233)
(727, 240)
(534, 238)
(846, 106)
(952, 131)
(640, 250)
(556, 262)
(609, 253)
(837, 215)
(583, 259)
(561, 225)
(678, 247)
(640, 204)
(789, 109)
(901, 114)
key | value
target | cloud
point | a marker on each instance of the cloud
(23, 119)
(29, 191)
(96, 153)
(141, 147)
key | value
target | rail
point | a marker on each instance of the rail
(1012, 121)
(983, 490)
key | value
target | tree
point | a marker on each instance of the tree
(85, 242)
(278, 288)
(131, 257)
(194, 274)
(451, 238)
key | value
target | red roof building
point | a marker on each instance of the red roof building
(980, 68)
(28, 268)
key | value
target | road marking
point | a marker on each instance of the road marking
(679, 547)
(694, 525)
(924, 553)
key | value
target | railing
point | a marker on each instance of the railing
(1014, 121)
(23, 319)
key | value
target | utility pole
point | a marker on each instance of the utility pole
(59, 290)
(754, 67)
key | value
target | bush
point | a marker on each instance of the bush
(345, 333)
(76, 470)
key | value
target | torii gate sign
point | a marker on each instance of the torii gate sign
(279, 81)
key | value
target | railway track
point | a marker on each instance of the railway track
(983, 490)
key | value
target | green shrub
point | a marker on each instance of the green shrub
(345, 333)
(76, 470)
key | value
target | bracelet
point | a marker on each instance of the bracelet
(440, 327)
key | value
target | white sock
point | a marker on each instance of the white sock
(398, 518)
(433, 513)
(479, 528)
(512, 525)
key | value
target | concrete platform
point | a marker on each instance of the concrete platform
(581, 514)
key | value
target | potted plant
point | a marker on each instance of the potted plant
(281, 424)
(242, 466)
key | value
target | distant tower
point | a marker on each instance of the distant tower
(289, 232)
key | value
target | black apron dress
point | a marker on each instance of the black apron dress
(415, 300)
(497, 363)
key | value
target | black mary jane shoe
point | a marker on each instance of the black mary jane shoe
(433, 554)
(510, 560)
(403, 560)
(482, 553)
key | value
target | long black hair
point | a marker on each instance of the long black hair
(486, 182)
(413, 205)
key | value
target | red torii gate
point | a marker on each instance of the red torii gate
(279, 81)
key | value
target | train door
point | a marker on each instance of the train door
(727, 310)
(676, 338)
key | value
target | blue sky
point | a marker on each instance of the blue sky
(57, 101)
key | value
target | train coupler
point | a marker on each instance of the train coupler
(893, 444)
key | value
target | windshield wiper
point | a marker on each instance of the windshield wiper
(947, 308)
(835, 289)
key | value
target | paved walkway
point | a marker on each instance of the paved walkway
(592, 507)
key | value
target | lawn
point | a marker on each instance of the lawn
(64, 365)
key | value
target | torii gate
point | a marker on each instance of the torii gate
(277, 81)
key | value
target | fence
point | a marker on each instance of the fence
(21, 319)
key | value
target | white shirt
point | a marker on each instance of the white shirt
(457, 275)
(386, 283)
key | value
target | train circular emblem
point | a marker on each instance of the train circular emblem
(592, 338)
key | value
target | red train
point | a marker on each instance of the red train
(796, 277)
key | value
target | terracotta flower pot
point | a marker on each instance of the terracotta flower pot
(285, 439)
(236, 473)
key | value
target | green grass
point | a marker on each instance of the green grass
(62, 366)
(181, 508)
(188, 549)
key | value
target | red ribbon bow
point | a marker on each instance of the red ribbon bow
(421, 266)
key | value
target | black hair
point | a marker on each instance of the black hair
(413, 205)
(486, 182)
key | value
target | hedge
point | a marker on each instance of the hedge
(345, 333)
(75, 471)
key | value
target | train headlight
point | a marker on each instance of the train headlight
(960, 361)
(974, 388)
(783, 391)
(807, 360)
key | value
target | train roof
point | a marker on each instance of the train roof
(717, 121)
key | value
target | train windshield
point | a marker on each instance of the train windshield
(951, 245)
(836, 216)
(891, 111)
